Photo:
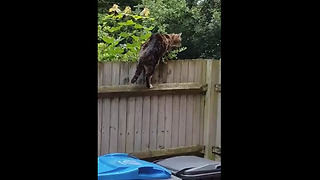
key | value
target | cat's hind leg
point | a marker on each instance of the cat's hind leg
(137, 73)
(149, 73)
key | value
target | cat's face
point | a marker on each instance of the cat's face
(176, 39)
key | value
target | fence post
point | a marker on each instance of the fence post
(211, 108)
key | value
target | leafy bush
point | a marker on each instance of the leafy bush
(121, 34)
(198, 21)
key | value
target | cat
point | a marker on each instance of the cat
(152, 51)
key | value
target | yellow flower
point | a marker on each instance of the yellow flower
(127, 10)
(115, 8)
(145, 12)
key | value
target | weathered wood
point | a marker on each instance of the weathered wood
(161, 122)
(168, 116)
(176, 70)
(158, 89)
(132, 70)
(202, 100)
(168, 112)
(183, 106)
(106, 107)
(114, 121)
(146, 123)
(167, 152)
(160, 76)
(197, 105)
(210, 111)
(190, 107)
(107, 74)
(218, 133)
(124, 71)
(130, 125)
(138, 124)
(153, 122)
(100, 74)
(105, 129)
(99, 125)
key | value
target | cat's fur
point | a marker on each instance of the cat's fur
(152, 52)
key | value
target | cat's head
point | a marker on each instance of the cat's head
(176, 40)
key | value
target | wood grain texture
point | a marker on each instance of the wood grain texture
(134, 119)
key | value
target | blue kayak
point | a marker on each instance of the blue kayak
(121, 166)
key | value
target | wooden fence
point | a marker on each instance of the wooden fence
(178, 115)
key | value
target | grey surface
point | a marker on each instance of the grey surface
(172, 178)
(196, 164)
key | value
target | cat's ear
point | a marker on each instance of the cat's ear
(180, 34)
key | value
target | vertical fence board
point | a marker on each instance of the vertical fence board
(138, 124)
(190, 107)
(168, 112)
(124, 72)
(146, 123)
(114, 122)
(210, 111)
(197, 103)
(130, 114)
(176, 70)
(100, 73)
(105, 132)
(106, 114)
(99, 125)
(202, 99)
(183, 106)
(161, 122)
(130, 125)
(153, 122)
(218, 133)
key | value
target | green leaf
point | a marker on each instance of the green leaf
(124, 34)
(116, 41)
(135, 38)
(129, 45)
(108, 39)
(115, 51)
(149, 28)
(146, 36)
(138, 26)
(127, 23)
(136, 17)
(119, 16)
(113, 29)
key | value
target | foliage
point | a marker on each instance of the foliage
(165, 12)
(198, 21)
(121, 33)
(103, 5)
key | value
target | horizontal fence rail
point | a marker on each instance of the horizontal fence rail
(159, 89)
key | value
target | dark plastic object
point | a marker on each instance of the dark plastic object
(192, 167)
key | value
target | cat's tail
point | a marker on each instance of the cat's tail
(137, 73)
